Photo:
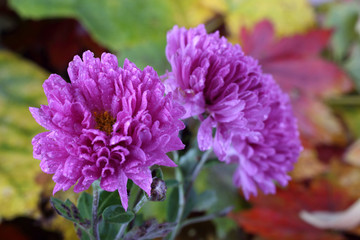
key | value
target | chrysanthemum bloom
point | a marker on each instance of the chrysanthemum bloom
(227, 91)
(109, 123)
(273, 154)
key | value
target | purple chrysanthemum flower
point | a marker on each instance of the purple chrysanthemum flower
(109, 123)
(227, 90)
(274, 153)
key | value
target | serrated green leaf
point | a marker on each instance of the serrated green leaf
(117, 214)
(66, 209)
(85, 205)
(205, 200)
(108, 199)
(150, 230)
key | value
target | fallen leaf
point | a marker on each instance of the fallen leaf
(346, 176)
(352, 155)
(342, 220)
(277, 216)
(296, 64)
(20, 87)
(132, 29)
(308, 166)
(288, 16)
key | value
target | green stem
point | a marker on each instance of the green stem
(196, 171)
(180, 212)
(141, 203)
(121, 232)
(136, 209)
(183, 196)
(209, 217)
(95, 205)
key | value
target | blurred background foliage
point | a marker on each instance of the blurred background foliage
(312, 48)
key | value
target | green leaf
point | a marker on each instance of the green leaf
(190, 203)
(150, 230)
(108, 231)
(108, 199)
(221, 181)
(81, 234)
(117, 214)
(353, 66)
(67, 209)
(134, 29)
(129, 184)
(148, 53)
(20, 87)
(38, 9)
(125, 23)
(171, 183)
(173, 205)
(85, 205)
(188, 162)
(205, 200)
(343, 18)
(139, 219)
(348, 107)
(224, 226)
(157, 172)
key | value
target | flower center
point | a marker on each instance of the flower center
(104, 121)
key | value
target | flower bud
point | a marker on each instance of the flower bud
(158, 190)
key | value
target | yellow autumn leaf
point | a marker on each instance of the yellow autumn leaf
(190, 13)
(288, 16)
(20, 87)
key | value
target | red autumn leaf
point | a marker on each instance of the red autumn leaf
(276, 217)
(297, 66)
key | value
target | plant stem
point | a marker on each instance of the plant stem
(209, 217)
(180, 212)
(141, 203)
(183, 196)
(196, 171)
(121, 232)
(95, 210)
(136, 209)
